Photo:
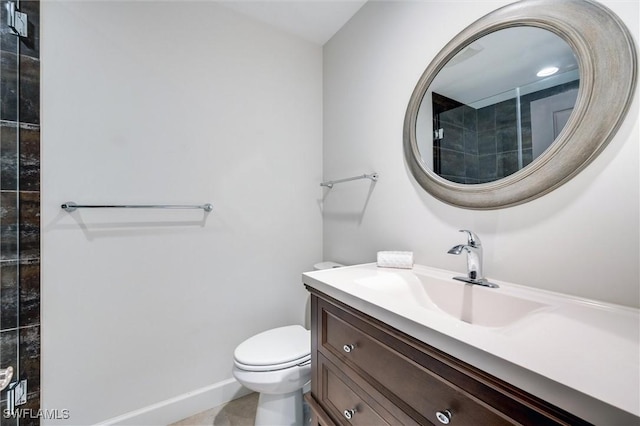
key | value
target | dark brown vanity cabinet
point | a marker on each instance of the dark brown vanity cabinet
(365, 372)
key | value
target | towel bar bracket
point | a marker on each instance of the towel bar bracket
(329, 184)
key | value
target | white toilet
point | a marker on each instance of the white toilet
(277, 364)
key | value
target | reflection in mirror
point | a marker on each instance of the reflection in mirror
(497, 105)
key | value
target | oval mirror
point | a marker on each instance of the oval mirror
(519, 102)
(497, 105)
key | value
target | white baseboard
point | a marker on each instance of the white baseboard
(182, 406)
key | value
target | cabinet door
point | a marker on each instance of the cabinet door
(351, 401)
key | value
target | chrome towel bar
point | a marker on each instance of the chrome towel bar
(70, 206)
(329, 184)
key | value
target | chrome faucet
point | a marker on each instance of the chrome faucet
(474, 260)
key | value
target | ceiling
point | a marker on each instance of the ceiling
(313, 20)
(488, 70)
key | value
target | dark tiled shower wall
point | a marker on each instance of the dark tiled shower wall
(20, 209)
(481, 145)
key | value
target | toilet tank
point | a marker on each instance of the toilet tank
(327, 265)
(318, 266)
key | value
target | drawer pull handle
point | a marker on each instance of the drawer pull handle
(444, 416)
(348, 348)
(348, 414)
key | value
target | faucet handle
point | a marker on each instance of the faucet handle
(472, 239)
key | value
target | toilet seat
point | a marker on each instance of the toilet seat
(275, 367)
(275, 349)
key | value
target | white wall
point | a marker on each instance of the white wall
(170, 102)
(581, 239)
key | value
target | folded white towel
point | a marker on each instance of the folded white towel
(395, 259)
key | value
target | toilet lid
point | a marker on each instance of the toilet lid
(283, 345)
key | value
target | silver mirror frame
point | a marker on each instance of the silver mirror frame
(608, 69)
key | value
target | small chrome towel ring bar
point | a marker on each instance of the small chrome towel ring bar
(330, 183)
(70, 206)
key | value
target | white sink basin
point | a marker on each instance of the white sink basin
(439, 292)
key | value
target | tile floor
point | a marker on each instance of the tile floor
(239, 412)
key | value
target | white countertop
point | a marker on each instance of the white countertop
(579, 354)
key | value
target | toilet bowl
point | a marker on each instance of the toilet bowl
(277, 364)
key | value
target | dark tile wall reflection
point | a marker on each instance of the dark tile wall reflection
(20, 209)
(498, 141)
(481, 145)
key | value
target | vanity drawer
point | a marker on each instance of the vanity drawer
(412, 385)
(349, 404)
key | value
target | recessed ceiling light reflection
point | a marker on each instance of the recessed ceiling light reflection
(546, 72)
